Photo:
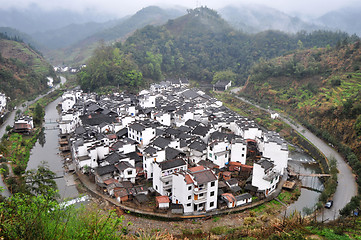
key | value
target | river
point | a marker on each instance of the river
(346, 187)
(304, 164)
(49, 151)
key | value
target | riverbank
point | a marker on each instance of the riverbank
(346, 186)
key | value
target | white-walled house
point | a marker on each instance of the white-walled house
(162, 174)
(218, 152)
(151, 155)
(68, 104)
(141, 133)
(238, 150)
(147, 101)
(181, 116)
(162, 118)
(126, 172)
(275, 148)
(264, 176)
(196, 189)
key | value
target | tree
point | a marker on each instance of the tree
(39, 217)
(38, 114)
(41, 181)
(227, 75)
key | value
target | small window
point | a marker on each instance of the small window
(211, 204)
(189, 188)
(189, 204)
(213, 184)
(189, 197)
(242, 149)
(130, 172)
(215, 157)
(212, 193)
(225, 156)
(242, 155)
(210, 155)
(166, 183)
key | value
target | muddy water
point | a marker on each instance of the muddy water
(304, 164)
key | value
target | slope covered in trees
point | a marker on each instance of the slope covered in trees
(321, 88)
(201, 43)
(23, 71)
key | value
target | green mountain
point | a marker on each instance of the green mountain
(23, 71)
(201, 43)
(321, 87)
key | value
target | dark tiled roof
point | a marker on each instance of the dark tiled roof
(200, 130)
(122, 132)
(171, 153)
(192, 123)
(96, 119)
(105, 170)
(123, 165)
(161, 142)
(190, 94)
(172, 163)
(197, 145)
(265, 164)
(243, 196)
(205, 176)
(137, 127)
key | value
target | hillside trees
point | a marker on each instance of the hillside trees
(109, 66)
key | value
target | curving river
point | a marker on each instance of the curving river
(48, 151)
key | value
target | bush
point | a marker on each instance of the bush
(219, 230)
(4, 169)
(19, 170)
(8, 128)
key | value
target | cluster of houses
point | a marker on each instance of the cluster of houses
(178, 144)
(63, 69)
(2, 104)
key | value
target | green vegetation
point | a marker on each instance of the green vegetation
(39, 217)
(321, 89)
(200, 46)
(23, 71)
(110, 67)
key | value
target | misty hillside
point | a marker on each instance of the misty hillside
(346, 19)
(23, 71)
(257, 18)
(13, 33)
(35, 19)
(151, 15)
(71, 34)
(82, 50)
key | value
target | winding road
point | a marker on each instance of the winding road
(346, 188)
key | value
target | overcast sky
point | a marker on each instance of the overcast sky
(122, 7)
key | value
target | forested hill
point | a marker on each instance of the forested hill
(23, 71)
(201, 44)
(320, 87)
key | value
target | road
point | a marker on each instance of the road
(347, 186)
